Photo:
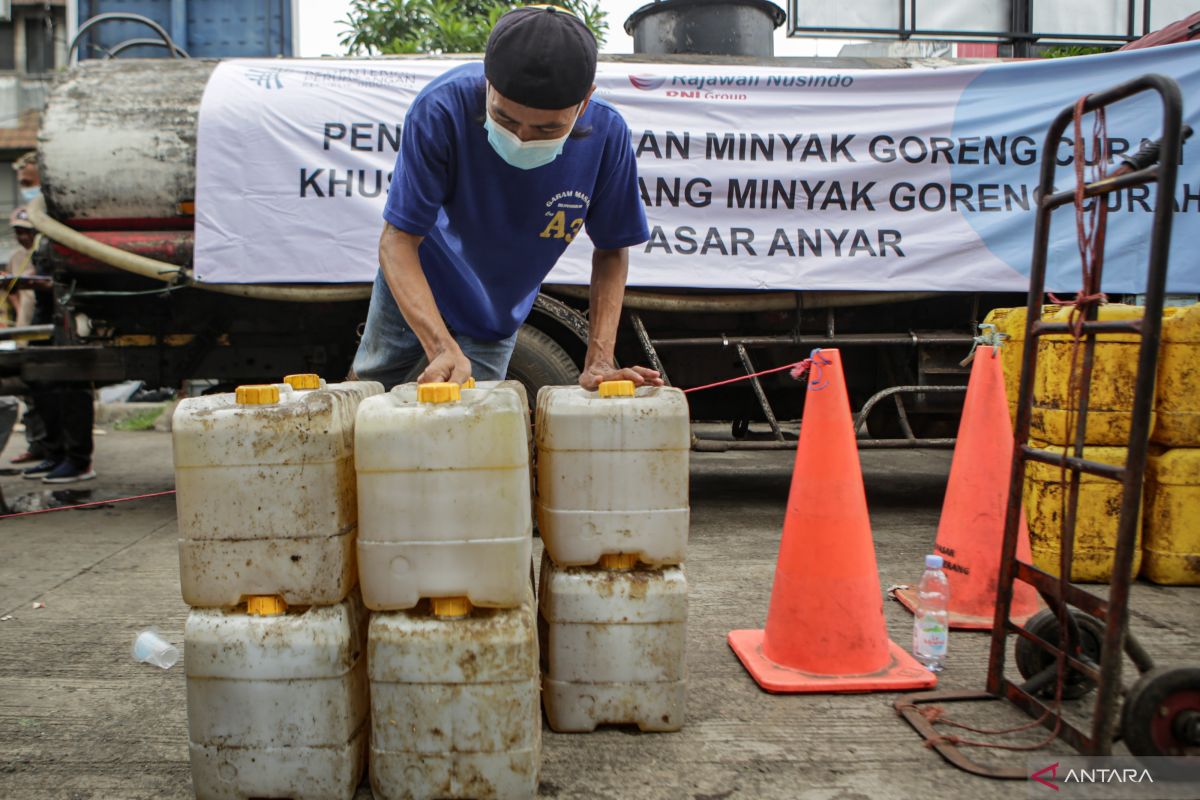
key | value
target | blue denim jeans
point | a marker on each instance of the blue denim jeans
(391, 353)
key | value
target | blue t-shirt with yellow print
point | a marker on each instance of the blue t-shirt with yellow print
(493, 231)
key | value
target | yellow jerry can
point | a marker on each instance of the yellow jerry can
(1114, 378)
(1171, 538)
(1096, 521)
(1177, 404)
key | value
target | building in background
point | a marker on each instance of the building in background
(33, 44)
(35, 39)
(984, 28)
(201, 28)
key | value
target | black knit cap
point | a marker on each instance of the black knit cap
(541, 57)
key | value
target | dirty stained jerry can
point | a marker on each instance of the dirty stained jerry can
(266, 492)
(1177, 398)
(1010, 323)
(613, 641)
(613, 472)
(454, 702)
(1096, 522)
(443, 496)
(1114, 380)
(1170, 533)
(277, 700)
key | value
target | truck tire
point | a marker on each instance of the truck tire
(539, 361)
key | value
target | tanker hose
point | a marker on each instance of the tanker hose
(174, 274)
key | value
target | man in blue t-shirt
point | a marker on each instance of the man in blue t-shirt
(501, 166)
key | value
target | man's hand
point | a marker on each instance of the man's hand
(595, 374)
(449, 366)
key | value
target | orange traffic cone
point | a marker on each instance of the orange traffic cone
(825, 629)
(972, 525)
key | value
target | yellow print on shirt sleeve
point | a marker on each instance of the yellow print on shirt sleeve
(558, 228)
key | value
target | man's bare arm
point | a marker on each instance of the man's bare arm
(609, 270)
(401, 265)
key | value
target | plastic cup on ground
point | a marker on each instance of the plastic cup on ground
(150, 648)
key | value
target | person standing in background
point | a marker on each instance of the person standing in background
(29, 184)
(59, 422)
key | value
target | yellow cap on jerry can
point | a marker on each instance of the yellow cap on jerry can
(303, 380)
(618, 561)
(438, 393)
(616, 389)
(450, 607)
(257, 394)
(265, 605)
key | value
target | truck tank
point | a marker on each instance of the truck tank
(118, 140)
(118, 146)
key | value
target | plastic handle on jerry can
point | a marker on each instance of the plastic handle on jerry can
(616, 389)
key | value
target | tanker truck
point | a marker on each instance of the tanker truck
(742, 271)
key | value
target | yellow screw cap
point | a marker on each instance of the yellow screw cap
(470, 384)
(618, 561)
(304, 380)
(438, 393)
(616, 389)
(265, 605)
(450, 607)
(258, 395)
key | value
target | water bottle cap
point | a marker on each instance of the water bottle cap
(933, 562)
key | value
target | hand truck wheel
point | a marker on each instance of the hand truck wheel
(1032, 659)
(1161, 717)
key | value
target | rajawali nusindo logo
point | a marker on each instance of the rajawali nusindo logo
(647, 83)
(1116, 777)
(735, 86)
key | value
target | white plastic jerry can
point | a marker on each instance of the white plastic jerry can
(613, 472)
(277, 700)
(265, 492)
(613, 642)
(443, 496)
(454, 702)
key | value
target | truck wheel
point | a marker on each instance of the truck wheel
(539, 361)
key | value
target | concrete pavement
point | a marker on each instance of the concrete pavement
(79, 719)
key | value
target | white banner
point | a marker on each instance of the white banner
(752, 177)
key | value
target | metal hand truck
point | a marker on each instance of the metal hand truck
(1077, 643)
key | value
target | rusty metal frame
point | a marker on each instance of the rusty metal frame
(1059, 593)
(895, 392)
(779, 440)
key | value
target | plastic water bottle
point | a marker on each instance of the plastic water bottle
(931, 625)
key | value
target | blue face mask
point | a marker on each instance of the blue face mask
(523, 155)
(28, 193)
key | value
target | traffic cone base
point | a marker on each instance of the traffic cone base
(907, 597)
(902, 673)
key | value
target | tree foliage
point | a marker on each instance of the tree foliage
(381, 27)
(1069, 50)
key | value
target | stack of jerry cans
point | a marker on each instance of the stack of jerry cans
(612, 506)
(1106, 439)
(275, 651)
(444, 553)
